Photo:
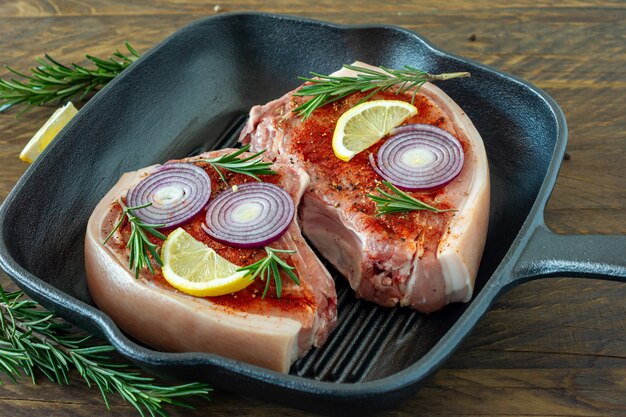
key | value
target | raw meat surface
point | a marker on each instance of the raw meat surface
(270, 332)
(419, 259)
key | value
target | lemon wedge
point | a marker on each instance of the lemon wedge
(193, 268)
(367, 123)
(48, 131)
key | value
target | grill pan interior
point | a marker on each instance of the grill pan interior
(370, 341)
(216, 69)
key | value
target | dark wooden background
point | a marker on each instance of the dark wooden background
(548, 348)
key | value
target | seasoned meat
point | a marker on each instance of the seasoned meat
(419, 259)
(270, 332)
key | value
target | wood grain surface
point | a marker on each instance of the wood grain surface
(547, 348)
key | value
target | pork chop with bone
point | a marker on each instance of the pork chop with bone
(271, 332)
(419, 259)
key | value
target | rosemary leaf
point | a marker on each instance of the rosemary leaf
(138, 241)
(398, 201)
(325, 89)
(32, 338)
(53, 82)
(252, 165)
(269, 268)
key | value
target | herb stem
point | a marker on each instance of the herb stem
(51, 81)
(398, 201)
(269, 268)
(325, 89)
(138, 241)
(32, 338)
(448, 76)
(252, 165)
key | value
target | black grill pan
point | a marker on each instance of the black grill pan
(191, 93)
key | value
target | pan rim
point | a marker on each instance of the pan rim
(100, 322)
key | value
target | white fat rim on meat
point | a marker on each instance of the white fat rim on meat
(457, 254)
(119, 294)
(458, 257)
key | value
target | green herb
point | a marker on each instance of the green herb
(270, 267)
(326, 89)
(251, 165)
(138, 242)
(398, 202)
(34, 339)
(52, 81)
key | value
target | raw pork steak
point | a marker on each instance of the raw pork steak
(419, 259)
(270, 332)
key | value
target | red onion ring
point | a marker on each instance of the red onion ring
(419, 157)
(176, 191)
(253, 216)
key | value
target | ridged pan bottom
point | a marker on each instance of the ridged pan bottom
(370, 341)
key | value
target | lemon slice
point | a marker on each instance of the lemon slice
(193, 268)
(48, 131)
(367, 123)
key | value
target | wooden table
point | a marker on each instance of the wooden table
(548, 348)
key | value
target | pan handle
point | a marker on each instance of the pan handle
(548, 254)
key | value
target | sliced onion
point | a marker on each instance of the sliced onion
(253, 216)
(419, 157)
(176, 191)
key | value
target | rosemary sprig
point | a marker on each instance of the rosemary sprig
(269, 267)
(52, 81)
(398, 202)
(138, 242)
(252, 165)
(325, 89)
(34, 339)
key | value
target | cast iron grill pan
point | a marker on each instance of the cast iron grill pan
(191, 93)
